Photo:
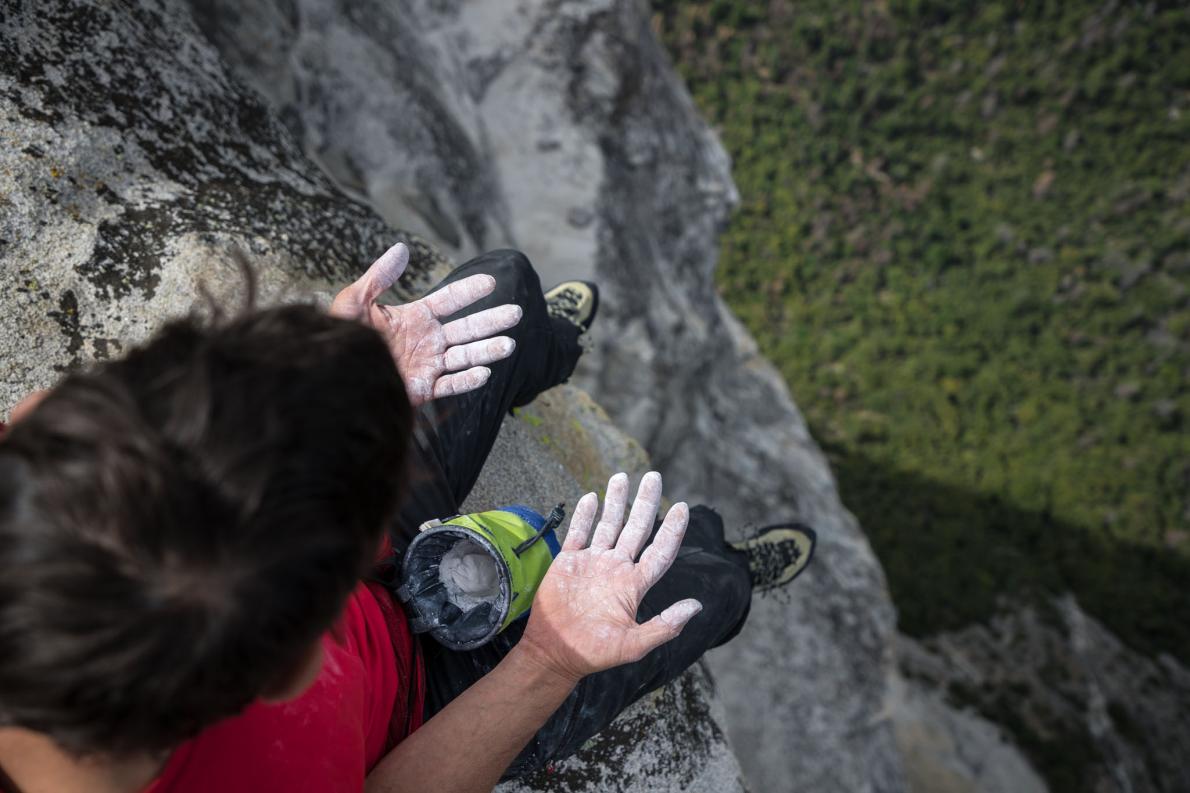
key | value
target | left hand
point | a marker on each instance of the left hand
(434, 360)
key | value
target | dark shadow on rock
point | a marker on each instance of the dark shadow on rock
(966, 569)
(955, 556)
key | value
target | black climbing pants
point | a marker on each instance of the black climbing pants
(454, 437)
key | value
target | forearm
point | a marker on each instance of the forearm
(469, 744)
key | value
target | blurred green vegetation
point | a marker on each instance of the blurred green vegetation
(964, 239)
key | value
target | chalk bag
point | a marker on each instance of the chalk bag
(466, 578)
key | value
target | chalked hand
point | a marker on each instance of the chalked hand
(435, 359)
(584, 614)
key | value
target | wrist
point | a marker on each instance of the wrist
(535, 661)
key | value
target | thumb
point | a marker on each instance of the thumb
(665, 626)
(384, 272)
(353, 302)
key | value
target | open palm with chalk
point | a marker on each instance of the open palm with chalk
(584, 615)
(434, 359)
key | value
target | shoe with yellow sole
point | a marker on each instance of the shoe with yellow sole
(574, 301)
(777, 554)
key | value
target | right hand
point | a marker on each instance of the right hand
(584, 614)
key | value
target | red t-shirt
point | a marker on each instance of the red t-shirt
(367, 698)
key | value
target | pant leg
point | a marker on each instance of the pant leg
(547, 350)
(706, 568)
(454, 435)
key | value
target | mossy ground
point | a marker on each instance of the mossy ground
(964, 239)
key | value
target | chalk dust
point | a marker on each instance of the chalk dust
(470, 575)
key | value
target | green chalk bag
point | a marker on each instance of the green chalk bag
(507, 551)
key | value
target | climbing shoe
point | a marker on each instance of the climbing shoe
(574, 301)
(777, 554)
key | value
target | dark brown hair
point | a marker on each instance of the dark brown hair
(179, 526)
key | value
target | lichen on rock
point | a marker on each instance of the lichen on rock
(141, 165)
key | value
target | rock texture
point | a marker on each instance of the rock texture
(1056, 676)
(560, 128)
(132, 164)
(950, 750)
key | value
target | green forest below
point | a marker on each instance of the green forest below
(964, 240)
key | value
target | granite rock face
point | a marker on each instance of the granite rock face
(946, 749)
(133, 165)
(560, 128)
(1051, 671)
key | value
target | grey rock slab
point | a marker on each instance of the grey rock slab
(669, 742)
(131, 165)
(1059, 672)
(947, 749)
(521, 471)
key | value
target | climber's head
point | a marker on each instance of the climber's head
(178, 527)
